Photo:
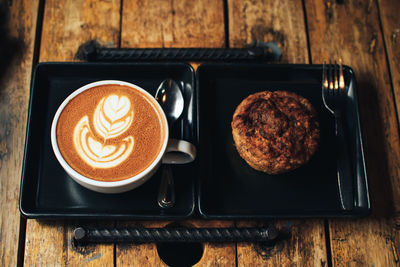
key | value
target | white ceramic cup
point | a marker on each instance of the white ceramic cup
(173, 151)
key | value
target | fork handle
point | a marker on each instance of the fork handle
(345, 180)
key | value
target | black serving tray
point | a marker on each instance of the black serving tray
(48, 192)
(230, 189)
(226, 187)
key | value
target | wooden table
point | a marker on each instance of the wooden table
(365, 34)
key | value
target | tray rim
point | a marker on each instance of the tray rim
(364, 212)
(62, 215)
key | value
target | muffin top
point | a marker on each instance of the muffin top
(275, 131)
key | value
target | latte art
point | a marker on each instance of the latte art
(112, 117)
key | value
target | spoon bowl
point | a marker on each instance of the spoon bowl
(170, 97)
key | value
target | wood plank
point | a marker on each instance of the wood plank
(351, 31)
(139, 254)
(50, 243)
(216, 254)
(269, 21)
(301, 243)
(281, 22)
(67, 24)
(184, 23)
(391, 30)
(174, 24)
(17, 36)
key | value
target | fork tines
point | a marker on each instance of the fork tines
(333, 78)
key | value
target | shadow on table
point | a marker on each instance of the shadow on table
(11, 48)
(375, 149)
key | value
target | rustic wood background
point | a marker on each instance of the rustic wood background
(365, 34)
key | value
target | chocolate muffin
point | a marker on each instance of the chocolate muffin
(275, 132)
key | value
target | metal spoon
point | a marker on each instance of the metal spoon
(170, 97)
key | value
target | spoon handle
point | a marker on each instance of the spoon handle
(166, 192)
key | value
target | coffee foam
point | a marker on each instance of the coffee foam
(110, 132)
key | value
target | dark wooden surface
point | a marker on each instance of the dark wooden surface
(365, 34)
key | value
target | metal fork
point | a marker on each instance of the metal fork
(334, 96)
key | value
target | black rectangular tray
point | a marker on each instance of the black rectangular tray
(48, 192)
(227, 188)
(230, 189)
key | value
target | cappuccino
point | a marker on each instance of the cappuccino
(110, 132)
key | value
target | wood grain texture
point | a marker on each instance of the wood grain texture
(281, 22)
(185, 23)
(301, 243)
(216, 254)
(66, 24)
(139, 254)
(51, 244)
(389, 14)
(351, 31)
(269, 21)
(16, 52)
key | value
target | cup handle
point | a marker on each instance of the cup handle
(179, 152)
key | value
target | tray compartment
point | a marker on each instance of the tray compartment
(48, 192)
(229, 188)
